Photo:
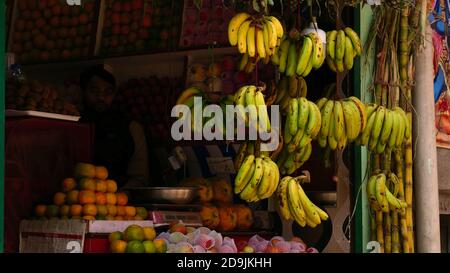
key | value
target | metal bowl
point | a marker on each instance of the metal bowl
(163, 195)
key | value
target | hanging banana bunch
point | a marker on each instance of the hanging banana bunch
(342, 47)
(289, 88)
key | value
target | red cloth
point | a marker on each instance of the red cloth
(39, 154)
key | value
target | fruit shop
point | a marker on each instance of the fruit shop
(118, 136)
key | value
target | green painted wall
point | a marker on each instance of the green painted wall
(363, 74)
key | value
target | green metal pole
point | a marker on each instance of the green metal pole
(362, 79)
(2, 125)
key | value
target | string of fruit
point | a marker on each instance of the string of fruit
(342, 47)
(342, 121)
(288, 88)
(385, 128)
(293, 203)
(256, 36)
(257, 178)
(299, 54)
(303, 123)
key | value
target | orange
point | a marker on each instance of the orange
(118, 218)
(109, 217)
(89, 218)
(100, 198)
(133, 233)
(121, 211)
(40, 210)
(69, 184)
(112, 210)
(64, 210)
(111, 186)
(101, 172)
(101, 185)
(89, 209)
(84, 170)
(87, 184)
(116, 235)
(72, 197)
(111, 198)
(130, 211)
(160, 245)
(149, 247)
(135, 247)
(142, 212)
(102, 210)
(118, 246)
(75, 210)
(122, 199)
(149, 233)
(86, 197)
(52, 211)
(59, 199)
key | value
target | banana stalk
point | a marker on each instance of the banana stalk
(403, 225)
(387, 232)
(409, 190)
(395, 232)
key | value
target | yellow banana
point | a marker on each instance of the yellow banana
(326, 117)
(338, 115)
(356, 42)
(376, 130)
(186, 94)
(340, 46)
(251, 43)
(342, 143)
(263, 116)
(370, 188)
(370, 108)
(291, 61)
(321, 102)
(361, 110)
(234, 25)
(318, 52)
(239, 159)
(266, 180)
(307, 205)
(283, 199)
(314, 120)
(240, 182)
(332, 142)
(303, 113)
(348, 55)
(243, 62)
(242, 37)
(323, 215)
(304, 56)
(340, 65)
(266, 39)
(293, 113)
(380, 192)
(406, 121)
(352, 122)
(287, 132)
(255, 180)
(272, 34)
(259, 35)
(309, 66)
(331, 44)
(368, 130)
(278, 26)
(295, 205)
(387, 127)
(284, 50)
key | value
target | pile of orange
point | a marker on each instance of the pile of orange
(136, 239)
(90, 195)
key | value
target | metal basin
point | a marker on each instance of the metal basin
(163, 195)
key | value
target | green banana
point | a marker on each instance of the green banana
(340, 46)
(387, 127)
(291, 61)
(293, 113)
(326, 117)
(356, 42)
(331, 44)
(348, 55)
(283, 52)
(339, 124)
(304, 55)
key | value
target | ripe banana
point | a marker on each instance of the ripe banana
(380, 192)
(303, 113)
(304, 55)
(295, 206)
(234, 25)
(308, 206)
(331, 43)
(340, 46)
(368, 130)
(239, 159)
(259, 36)
(318, 51)
(314, 120)
(352, 120)
(240, 182)
(387, 127)
(326, 117)
(356, 42)
(293, 113)
(348, 55)
(283, 199)
(283, 52)
(291, 61)
(263, 116)
(242, 37)
(251, 43)
(380, 116)
(339, 125)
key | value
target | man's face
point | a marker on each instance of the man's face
(99, 94)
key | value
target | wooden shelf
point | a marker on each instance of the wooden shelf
(133, 59)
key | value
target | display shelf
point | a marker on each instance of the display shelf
(134, 59)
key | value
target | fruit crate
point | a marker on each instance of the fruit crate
(138, 26)
(51, 30)
(206, 25)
